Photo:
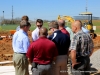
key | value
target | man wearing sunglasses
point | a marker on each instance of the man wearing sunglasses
(35, 33)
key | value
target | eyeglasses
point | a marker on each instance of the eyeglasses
(39, 25)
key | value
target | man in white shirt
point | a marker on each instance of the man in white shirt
(35, 33)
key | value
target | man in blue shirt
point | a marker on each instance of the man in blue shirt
(20, 44)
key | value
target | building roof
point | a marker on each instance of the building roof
(85, 13)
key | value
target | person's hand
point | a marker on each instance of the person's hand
(73, 64)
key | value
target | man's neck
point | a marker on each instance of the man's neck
(61, 28)
(78, 30)
(55, 30)
(23, 30)
(42, 36)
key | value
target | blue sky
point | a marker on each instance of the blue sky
(47, 9)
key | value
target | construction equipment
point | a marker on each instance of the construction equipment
(68, 18)
(89, 25)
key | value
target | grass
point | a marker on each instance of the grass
(13, 27)
(33, 26)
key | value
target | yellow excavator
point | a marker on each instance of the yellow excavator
(88, 26)
(68, 18)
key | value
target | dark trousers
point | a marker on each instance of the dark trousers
(83, 68)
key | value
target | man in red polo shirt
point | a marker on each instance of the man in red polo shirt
(61, 24)
(42, 53)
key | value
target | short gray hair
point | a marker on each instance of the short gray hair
(24, 23)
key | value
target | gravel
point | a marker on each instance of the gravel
(95, 60)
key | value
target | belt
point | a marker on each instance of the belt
(34, 65)
(20, 53)
(82, 56)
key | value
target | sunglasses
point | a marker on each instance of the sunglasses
(39, 25)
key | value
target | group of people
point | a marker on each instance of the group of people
(48, 54)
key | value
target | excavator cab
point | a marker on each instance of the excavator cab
(89, 25)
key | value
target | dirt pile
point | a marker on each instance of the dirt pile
(6, 51)
(96, 43)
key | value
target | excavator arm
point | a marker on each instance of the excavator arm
(67, 18)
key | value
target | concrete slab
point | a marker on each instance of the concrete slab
(9, 70)
(6, 62)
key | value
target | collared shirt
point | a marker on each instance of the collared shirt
(70, 32)
(20, 42)
(35, 34)
(42, 51)
(65, 31)
(18, 28)
(82, 43)
(62, 42)
(85, 30)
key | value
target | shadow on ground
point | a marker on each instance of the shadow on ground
(95, 71)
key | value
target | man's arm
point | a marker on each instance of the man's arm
(73, 57)
(30, 53)
(91, 52)
(55, 53)
(91, 44)
(26, 44)
(34, 36)
(72, 49)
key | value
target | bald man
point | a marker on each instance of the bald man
(42, 53)
(81, 48)
(61, 24)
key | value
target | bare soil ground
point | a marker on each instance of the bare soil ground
(6, 51)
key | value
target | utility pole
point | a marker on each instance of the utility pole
(12, 14)
(86, 5)
(3, 18)
(3, 15)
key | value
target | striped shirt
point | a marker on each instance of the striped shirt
(82, 43)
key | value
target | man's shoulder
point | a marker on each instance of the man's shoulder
(35, 30)
(50, 43)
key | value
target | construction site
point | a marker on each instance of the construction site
(90, 21)
(6, 51)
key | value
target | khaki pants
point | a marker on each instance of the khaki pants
(60, 66)
(21, 64)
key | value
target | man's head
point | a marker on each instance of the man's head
(76, 26)
(39, 23)
(25, 18)
(25, 25)
(43, 32)
(61, 23)
(53, 26)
